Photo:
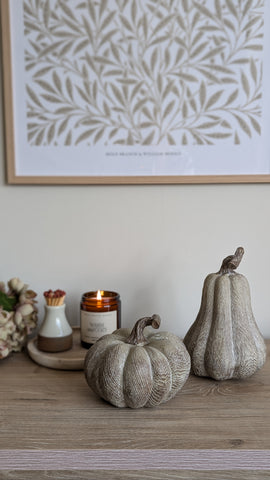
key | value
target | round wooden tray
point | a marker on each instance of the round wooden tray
(72, 359)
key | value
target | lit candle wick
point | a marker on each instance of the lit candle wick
(99, 295)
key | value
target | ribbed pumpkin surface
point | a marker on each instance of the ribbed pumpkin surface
(224, 341)
(137, 375)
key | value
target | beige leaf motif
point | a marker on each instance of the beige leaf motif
(149, 139)
(46, 13)
(245, 83)
(170, 139)
(232, 97)
(68, 140)
(130, 73)
(185, 5)
(255, 124)
(243, 124)
(164, 22)
(205, 11)
(202, 93)
(57, 81)
(99, 135)
(247, 7)
(253, 70)
(67, 10)
(219, 135)
(218, 9)
(236, 139)
(33, 96)
(213, 99)
(102, 7)
(168, 109)
(231, 7)
(91, 9)
(85, 135)
(126, 23)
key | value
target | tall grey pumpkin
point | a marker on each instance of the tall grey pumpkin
(136, 368)
(224, 341)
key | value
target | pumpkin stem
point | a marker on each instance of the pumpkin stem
(137, 337)
(231, 262)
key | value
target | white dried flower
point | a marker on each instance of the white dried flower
(17, 341)
(4, 349)
(30, 324)
(16, 284)
(7, 331)
(5, 317)
(26, 296)
(25, 309)
(18, 318)
(15, 325)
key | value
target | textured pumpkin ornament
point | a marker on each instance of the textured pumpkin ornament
(136, 368)
(224, 341)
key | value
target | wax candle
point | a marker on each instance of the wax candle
(100, 315)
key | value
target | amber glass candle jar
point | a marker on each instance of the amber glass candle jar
(100, 315)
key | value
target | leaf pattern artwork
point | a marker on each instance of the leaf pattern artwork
(143, 72)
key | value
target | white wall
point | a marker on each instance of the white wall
(153, 244)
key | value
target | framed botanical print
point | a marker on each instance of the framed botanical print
(131, 91)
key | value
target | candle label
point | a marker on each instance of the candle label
(96, 324)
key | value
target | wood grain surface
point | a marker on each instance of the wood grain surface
(134, 475)
(135, 459)
(45, 409)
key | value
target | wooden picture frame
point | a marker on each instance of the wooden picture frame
(149, 153)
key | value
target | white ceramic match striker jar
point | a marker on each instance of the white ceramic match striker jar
(55, 334)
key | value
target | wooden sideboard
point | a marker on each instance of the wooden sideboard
(51, 422)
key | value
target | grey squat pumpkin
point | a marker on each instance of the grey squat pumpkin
(224, 341)
(136, 368)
